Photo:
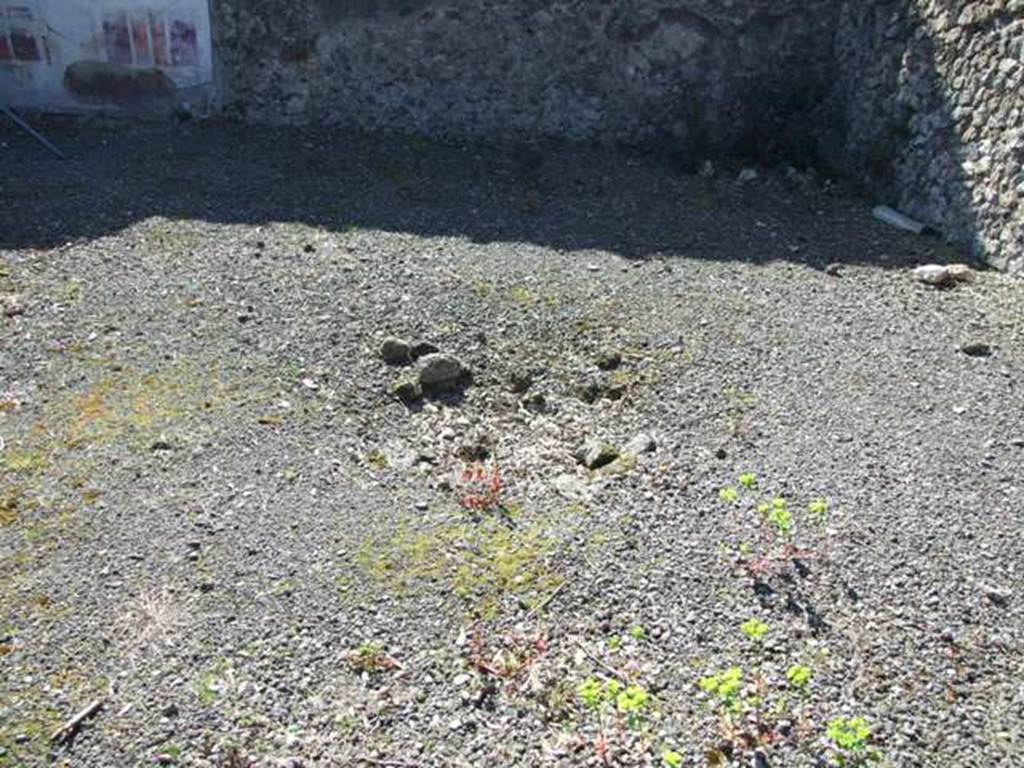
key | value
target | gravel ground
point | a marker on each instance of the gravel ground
(217, 519)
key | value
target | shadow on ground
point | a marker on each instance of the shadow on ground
(568, 197)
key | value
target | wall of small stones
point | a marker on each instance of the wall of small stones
(920, 100)
(929, 115)
(713, 74)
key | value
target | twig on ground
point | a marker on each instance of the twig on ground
(609, 669)
(544, 603)
(70, 727)
(389, 763)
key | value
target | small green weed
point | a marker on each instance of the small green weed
(172, 752)
(592, 693)
(371, 659)
(725, 686)
(754, 629)
(777, 514)
(729, 495)
(747, 716)
(748, 481)
(522, 297)
(213, 684)
(819, 509)
(631, 701)
(851, 740)
(782, 520)
(799, 677)
(614, 703)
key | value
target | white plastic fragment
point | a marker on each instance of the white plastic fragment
(937, 274)
(896, 219)
(932, 274)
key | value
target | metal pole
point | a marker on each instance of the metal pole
(32, 132)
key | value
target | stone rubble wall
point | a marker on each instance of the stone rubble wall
(717, 74)
(930, 112)
(920, 100)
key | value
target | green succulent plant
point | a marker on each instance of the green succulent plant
(591, 693)
(799, 676)
(851, 739)
(819, 509)
(754, 629)
(725, 686)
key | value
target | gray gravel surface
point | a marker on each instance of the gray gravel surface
(218, 519)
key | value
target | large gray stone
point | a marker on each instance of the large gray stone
(441, 372)
(395, 351)
(594, 454)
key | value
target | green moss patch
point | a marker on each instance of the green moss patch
(484, 563)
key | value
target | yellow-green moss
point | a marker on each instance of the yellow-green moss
(10, 506)
(27, 739)
(69, 293)
(127, 406)
(483, 289)
(117, 406)
(169, 237)
(24, 461)
(482, 563)
(522, 297)
(50, 466)
(738, 405)
(377, 459)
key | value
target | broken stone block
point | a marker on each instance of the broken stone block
(594, 454)
(441, 373)
(408, 391)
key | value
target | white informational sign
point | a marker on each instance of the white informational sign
(82, 55)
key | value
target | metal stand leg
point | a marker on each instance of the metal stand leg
(32, 132)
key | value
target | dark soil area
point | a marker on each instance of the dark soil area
(219, 521)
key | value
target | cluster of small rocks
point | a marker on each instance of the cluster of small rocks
(437, 373)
